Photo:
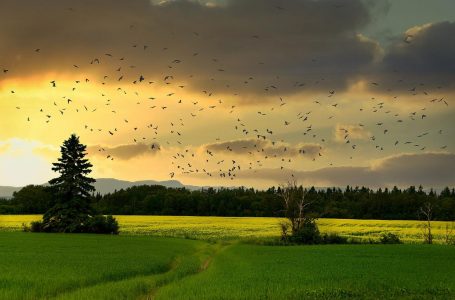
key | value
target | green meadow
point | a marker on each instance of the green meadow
(322, 272)
(83, 266)
(42, 266)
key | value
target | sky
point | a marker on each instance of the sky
(231, 93)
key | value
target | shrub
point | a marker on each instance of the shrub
(25, 227)
(284, 226)
(36, 226)
(390, 238)
(333, 238)
(95, 224)
(102, 224)
(308, 233)
(449, 237)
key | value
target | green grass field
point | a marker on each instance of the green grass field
(35, 266)
(323, 272)
(78, 266)
(229, 228)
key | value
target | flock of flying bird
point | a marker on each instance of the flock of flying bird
(259, 144)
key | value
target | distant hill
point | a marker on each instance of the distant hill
(7, 191)
(109, 185)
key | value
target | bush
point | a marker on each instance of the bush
(284, 226)
(95, 224)
(389, 238)
(333, 238)
(25, 227)
(449, 237)
(102, 224)
(36, 226)
(307, 234)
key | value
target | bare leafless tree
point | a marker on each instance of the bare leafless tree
(295, 204)
(426, 211)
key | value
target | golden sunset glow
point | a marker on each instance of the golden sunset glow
(176, 90)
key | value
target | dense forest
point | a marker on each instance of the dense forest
(357, 203)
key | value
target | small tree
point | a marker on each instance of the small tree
(284, 226)
(449, 237)
(303, 227)
(294, 204)
(72, 211)
(426, 211)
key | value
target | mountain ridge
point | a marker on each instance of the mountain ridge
(109, 185)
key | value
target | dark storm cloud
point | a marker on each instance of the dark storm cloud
(429, 169)
(429, 49)
(123, 152)
(265, 147)
(241, 46)
(237, 47)
(423, 57)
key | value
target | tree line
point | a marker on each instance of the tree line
(350, 202)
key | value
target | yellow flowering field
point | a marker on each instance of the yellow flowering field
(216, 228)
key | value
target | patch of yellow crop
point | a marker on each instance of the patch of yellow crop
(409, 231)
(200, 227)
(216, 228)
(14, 222)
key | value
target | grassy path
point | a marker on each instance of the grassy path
(146, 287)
(203, 258)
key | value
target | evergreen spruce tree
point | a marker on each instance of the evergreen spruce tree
(73, 168)
(72, 190)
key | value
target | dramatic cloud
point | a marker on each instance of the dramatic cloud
(420, 60)
(266, 148)
(429, 169)
(124, 152)
(239, 46)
